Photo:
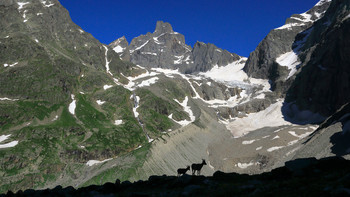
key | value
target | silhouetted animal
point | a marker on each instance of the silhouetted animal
(197, 167)
(182, 171)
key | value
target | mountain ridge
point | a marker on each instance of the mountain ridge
(164, 43)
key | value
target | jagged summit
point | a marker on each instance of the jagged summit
(163, 27)
(167, 49)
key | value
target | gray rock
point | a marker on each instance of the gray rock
(262, 61)
(165, 48)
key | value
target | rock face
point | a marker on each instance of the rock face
(165, 48)
(331, 138)
(323, 83)
(263, 62)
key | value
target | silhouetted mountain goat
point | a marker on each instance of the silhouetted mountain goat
(182, 171)
(197, 167)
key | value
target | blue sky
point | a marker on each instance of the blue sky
(235, 25)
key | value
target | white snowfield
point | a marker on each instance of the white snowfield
(270, 117)
(7, 145)
(93, 162)
(290, 60)
(187, 109)
(72, 105)
(4, 137)
(231, 72)
(118, 49)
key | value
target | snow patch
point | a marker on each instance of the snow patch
(9, 145)
(299, 136)
(107, 62)
(11, 65)
(99, 102)
(105, 87)
(7, 99)
(36, 40)
(290, 60)
(259, 148)
(231, 72)
(274, 148)
(290, 25)
(148, 82)
(270, 117)
(187, 109)
(93, 162)
(137, 101)
(118, 122)
(21, 4)
(138, 48)
(4, 137)
(245, 165)
(248, 142)
(276, 137)
(72, 105)
(118, 49)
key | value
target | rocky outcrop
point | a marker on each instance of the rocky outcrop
(322, 85)
(165, 48)
(331, 138)
(263, 62)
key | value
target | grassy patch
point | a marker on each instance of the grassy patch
(124, 171)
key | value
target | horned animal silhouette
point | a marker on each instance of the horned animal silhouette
(197, 167)
(182, 171)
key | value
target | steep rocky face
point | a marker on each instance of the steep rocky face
(121, 46)
(276, 58)
(323, 83)
(36, 34)
(165, 48)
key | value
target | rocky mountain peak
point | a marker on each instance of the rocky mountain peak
(167, 49)
(163, 27)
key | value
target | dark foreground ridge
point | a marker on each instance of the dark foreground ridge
(301, 177)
